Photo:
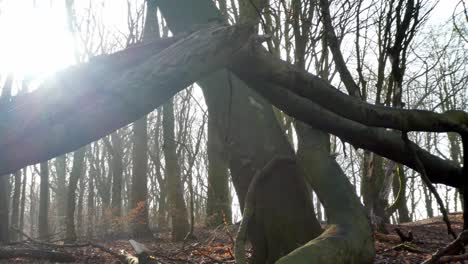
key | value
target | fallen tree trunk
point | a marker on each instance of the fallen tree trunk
(89, 101)
(38, 126)
(53, 256)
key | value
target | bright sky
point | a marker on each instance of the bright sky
(36, 41)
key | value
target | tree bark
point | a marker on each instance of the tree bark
(23, 200)
(61, 194)
(75, 174)
(4, 217)
(91, 211)
(16, 205)
(246, 122)
(139, 193)
(43, 223)
(177, 207)
(117, 175)
(218, 205)
(152, 76)
(348, 238)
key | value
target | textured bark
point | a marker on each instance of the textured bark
(218, 205)
(75, 174)
(177, 207)
(43, 223)
(372, 180)
(88, 101)
(139, 193)
(117, 174)
(306, 97)
(348, 238)
(247, 124)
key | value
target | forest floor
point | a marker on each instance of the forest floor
(215, 245)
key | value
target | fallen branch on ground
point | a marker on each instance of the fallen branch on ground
(53, 256)
(451, 249)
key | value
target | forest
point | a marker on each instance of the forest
(233, 131)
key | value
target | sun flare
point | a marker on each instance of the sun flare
(35, 41)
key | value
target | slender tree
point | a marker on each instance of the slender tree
(75, 174)
(43, 222)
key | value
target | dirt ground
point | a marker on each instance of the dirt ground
(215, 245)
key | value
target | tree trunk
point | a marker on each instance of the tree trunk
(79, 211)
(348, 238)
(218, 205)
(4, 219)
(61, 194)
(399, 193)
(75, 174)
(44, 201)
(32, 206)
(247, 123)
(428, 202)
(23, 200)
(139, 193)
(372, 181)
(117, 174)
(15, 207)
(91, 208)
(177, 207)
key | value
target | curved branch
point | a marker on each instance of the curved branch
(263, 66)
(380, 141)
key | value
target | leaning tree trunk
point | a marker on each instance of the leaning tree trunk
(284, 216)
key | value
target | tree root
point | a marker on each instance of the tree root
(249, 209)
(348, 239)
